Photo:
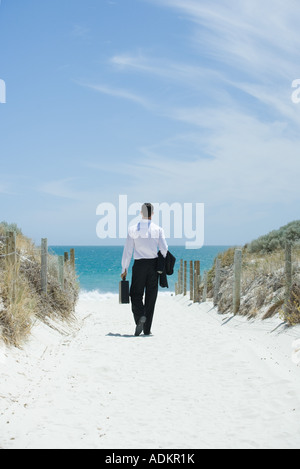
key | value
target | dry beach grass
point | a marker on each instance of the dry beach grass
(21, 298)
(262, 286)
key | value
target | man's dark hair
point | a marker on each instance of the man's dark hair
(147, 210)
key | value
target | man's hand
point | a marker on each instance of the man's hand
(124, 275)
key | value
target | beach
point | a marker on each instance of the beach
(201, 381)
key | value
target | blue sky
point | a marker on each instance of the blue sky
(161, 100)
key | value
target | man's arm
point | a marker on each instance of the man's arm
(127, 256)
(162, 243)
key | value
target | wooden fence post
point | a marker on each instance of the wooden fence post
(199, 281)
(44, 265)
(66, 257)
(288, 276)
(72, 260)
(204, 286)
(185, 278)
(178, 281)
(237, 281)
(12, 261)
(196, 281)
(217, 281)
(181, 276)
(61, 276)
(191, 281)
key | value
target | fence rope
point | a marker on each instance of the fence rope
(10, 254)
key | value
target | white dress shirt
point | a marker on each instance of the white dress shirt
(144, 241)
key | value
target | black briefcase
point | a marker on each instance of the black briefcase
(124, 292)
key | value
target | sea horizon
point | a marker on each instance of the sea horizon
(99, 267)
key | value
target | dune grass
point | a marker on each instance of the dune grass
(263, 282)
(21, 300)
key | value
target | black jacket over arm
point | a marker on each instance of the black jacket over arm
(165, 266)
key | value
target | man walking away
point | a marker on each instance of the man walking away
(144, 241)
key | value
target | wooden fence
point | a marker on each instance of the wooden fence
(195, 280)
(63, 262)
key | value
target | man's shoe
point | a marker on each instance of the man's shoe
(140, 326)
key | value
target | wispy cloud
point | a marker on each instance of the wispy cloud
(253, 36)
(119, 93)
(80, 30)
(242, 144)
(9, 184)
(245, 161)
(239, 144)
(179, 72)
(62, 188)
(4, 189)
(248, 47)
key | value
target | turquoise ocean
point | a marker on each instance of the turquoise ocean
(99, 267)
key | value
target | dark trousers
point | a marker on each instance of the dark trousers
(144, 281)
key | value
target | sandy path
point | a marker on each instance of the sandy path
(201, 381)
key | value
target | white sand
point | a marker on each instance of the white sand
(201, 381)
